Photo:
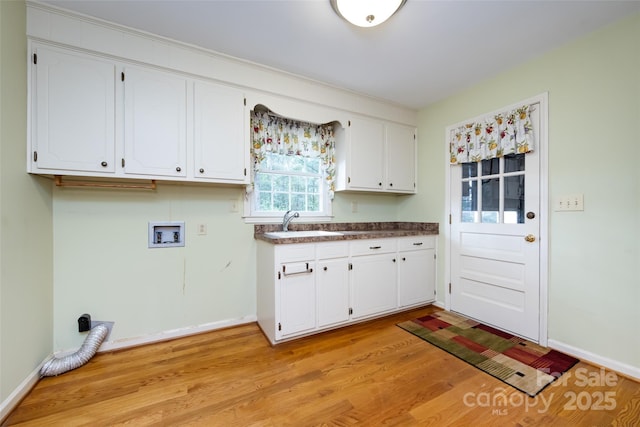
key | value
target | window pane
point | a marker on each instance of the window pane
(514, 163)
(281, 183)
(264, 201)
(469, 201)
(490, 167)
(298, 202)
(263, 182)
(491, 200)
(280, 202)
(313, 203)
(469, 170)
(514, 199)
(313, 166)
(298, 184)
(296, 164)
(313, 185)
(275, 162)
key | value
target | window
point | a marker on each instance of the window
(497, 186)
(293, 168)
(289, 183)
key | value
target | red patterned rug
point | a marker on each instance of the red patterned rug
(522, 364)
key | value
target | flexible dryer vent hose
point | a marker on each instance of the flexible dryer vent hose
(57, 366)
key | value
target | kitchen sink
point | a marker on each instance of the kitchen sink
(302, 233)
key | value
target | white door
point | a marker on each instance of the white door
(495, 245)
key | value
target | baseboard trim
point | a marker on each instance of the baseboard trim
(175, 333)
(630, 371)
(20, 392)
(11, 402)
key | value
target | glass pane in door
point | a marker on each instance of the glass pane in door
(514, 199)
(491, 200)
(469, 201)
(513, 163)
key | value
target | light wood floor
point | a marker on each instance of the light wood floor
(370, 374)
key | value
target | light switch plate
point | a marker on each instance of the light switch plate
(570, 202)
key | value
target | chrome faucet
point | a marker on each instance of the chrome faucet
(287, 219)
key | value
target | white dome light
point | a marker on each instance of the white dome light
(366, 13)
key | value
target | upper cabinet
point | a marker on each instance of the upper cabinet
(96, 117)
(400, 155)
(155, 123)
(376, 156)
(220, 125)
(72, 113)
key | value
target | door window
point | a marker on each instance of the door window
(493, 190)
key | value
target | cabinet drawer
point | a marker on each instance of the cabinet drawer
(373, 246)
(413, 243)
(295, 252)
(332, 250)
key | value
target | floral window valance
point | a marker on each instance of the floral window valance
(277, 135)
(505, 133)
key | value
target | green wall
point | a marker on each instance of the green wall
(96, 239)
(594, 113)
(26, 258)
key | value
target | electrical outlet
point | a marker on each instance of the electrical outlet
(233, 205)
(202, 229)
(354, 206)
(571, 202)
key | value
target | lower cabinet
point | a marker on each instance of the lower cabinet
(416, 267)
(297, 299)
(332, 283)
(374, 288)
(310, 287)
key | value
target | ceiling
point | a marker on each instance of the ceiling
(427, 51)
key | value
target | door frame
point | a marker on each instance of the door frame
(542, 146)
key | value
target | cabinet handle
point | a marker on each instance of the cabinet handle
(417, 244)
(380, 184)
(375, 247)
(201, 170)
(325, 268)
(391, 184)
(394, 260)
(404, 259)
(178, 169)
(103, 164)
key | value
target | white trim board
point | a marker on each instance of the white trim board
(595, 359)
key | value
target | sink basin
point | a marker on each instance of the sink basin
(305, 233)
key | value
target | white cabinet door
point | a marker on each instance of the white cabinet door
(401, 158)
(373, 284)
(332, 280)
(73, 112)
(366, 156)
(416, 278)
(416, 270)
(221, 142)
(297, 299)
(155, 123)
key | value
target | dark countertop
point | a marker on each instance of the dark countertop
(348, 230)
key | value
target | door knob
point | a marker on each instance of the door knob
(530, 238)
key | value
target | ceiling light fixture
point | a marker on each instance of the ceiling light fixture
(366, 13)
